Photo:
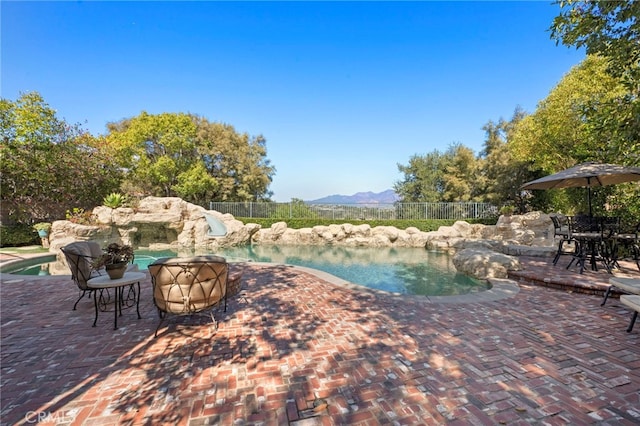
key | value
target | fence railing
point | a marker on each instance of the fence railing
(415, 211)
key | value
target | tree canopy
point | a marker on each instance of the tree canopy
(423, 178)
(558, 135)
(47, 165)
(50, 167)
(565, 129)
(610, 29)
(177, 154)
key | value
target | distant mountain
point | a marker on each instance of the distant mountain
(385, 197)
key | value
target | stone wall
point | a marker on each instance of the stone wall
(531, 229)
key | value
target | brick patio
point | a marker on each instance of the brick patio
(300, 350)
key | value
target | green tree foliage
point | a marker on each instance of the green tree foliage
(607, 28)
(572, 125)
(452, 176)
(196, 184)
(610, 29)
(184, 155)
(423, 178)
(47, 165)
(504, 174)
(557, 135)
(296, 208)
(237, 161)
(155, 149)
(463, 179)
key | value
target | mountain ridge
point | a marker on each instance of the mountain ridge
(385, 197)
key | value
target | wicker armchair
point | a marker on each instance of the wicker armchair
(186, 286)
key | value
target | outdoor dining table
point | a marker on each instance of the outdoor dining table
(594, 241)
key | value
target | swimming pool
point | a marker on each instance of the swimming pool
(398, 270)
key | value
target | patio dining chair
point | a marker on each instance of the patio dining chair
(79, 256)
(561, 230)
(627, 241)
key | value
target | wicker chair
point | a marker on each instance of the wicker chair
(186, 286)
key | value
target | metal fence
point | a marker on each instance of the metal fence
(414, 211)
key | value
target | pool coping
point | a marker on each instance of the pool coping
(501, 288)
(24, 260)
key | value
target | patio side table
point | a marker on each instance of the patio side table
(129, 279)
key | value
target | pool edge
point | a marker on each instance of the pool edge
(501, 288)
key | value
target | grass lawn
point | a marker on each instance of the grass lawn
(25, 249)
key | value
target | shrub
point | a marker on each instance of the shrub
(18, 236)
(423, 225)
(507, 210)
(114, 200)
(78, 215)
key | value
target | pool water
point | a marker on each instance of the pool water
(398, 270)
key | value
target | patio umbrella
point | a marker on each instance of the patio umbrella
(587, 175)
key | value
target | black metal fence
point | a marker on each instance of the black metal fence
(414, 211)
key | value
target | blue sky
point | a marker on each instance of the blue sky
(342, 91)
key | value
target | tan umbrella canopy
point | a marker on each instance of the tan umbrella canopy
(586, 175)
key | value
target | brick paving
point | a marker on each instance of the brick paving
(295, 349)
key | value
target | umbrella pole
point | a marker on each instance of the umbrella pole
(589, 195)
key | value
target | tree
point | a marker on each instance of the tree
(558, 134)
(238, 162)
(48, 166)
(610, 29)
(155, 149)
(195, 184)
(296, 208)
(423, 179)
(503, 173)
(574, 124)
(462, 178)
(185, 155)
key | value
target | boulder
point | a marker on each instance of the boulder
(482, 264)
(525, 228)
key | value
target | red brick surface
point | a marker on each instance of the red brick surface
(299, 350)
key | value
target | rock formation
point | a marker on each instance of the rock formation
(172, 223)
(156, 223)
